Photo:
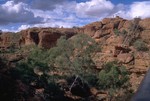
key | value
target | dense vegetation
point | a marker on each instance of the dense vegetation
(66, 68)
(140, 45)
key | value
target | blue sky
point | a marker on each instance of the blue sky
(17, 15)
(126, 1)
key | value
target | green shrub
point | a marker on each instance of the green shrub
(120, 33)
(25, 72)
(112, 76)
(72, 57)
(117, 32)
(140, 45)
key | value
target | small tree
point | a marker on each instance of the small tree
(120, 33)
(140, 45)
(74, 56)
(112, 76)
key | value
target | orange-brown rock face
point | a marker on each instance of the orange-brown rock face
(29, 37)
(145, 24)
(45, 37)
(105, 27)
(120, 48)
(92, 28)
(125, 58)
(6, 39)
(113, 47)
(101, 31)
(48, 39)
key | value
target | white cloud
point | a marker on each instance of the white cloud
(140, 9)
(11, 7)
(10, 12)
(66, 13)
(94, 8)
(22, 27)
(104, 8)
(136, 9)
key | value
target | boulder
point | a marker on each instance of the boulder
(101, 33)
(145, 24)
(145, 35)
(94, 91)
(125, 58)
(112, 22)
(142, 63)
(108, 26)
(99, 95)
(106, 20)
(98, 25)
(92, 28)
(97, 34)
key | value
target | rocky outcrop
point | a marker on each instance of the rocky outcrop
(145, 35)
(102, 31)
(120, 47)
(145, 24)
(29, 36)
(92, 28)
(9, 40)
(48, 39)
(125, 58)
(104, 27)
(142, 60)
(126, 25)
(45, 37)
(5, 39)
(114, 47)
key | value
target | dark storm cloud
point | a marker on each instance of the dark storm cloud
(46, 4)
(42, 4)
(16, 13)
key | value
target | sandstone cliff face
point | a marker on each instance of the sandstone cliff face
(145, 35)
(113, 47)
(101, 31)
(5, 39)
(30, 36)
(9, 39)
(120, 47)
(48, 39)
(45, 37)
(104, 27)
